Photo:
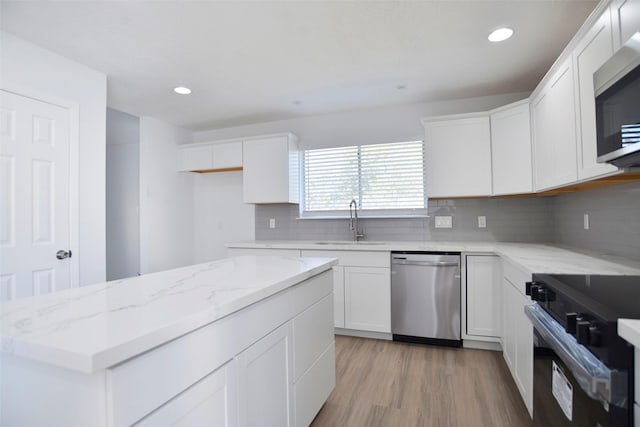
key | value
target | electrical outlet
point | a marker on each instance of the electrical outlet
(272, 223)
(444, 221)
(586, 221)
(482, 221)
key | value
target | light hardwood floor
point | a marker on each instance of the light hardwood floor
(384, 383)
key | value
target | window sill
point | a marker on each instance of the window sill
(347, 217)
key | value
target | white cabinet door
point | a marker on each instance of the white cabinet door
(508, 325)
(626, 19)
(195, 158)
(211, 401)
(227, 155)
(367, 298)
(484, 302)
(338, 296)
(270, 170)
(554, 131)
(524, 351)
(265, 381)
(458, 153)
(592, 51)
(511, 149)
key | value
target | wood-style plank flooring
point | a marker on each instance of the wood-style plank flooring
(384, 383)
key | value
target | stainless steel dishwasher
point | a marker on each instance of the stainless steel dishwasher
(425, 297)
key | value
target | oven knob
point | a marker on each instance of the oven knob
(570, 323)
(582, 332)
(527, 287)
(595, 336)
(535, 289)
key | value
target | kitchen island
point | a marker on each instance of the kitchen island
(231, 342)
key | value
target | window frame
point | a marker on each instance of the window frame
(362, 213)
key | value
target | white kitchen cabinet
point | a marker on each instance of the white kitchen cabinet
(210, 402)
(517, 340)
(511, 149)
(338, 296)
(626, 20)
(265, 381)
(554, 130)
(590, 53)
(367, 299)
(271, 169)
(484, 295)
(210, 157)
(458, 155)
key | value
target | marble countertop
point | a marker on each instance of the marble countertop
(629, 329)
(90, 328)
(535, 258)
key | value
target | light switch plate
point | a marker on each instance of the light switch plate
(586, 221)
(482, 221)
(445, 221)
(272, 223)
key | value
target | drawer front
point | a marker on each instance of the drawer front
(515, 275)
(140, 385)
(311, 291)
(354, 258)
(315, 386)
(312, 333)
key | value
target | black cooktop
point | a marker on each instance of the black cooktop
(605, 296)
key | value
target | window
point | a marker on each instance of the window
(385, 180)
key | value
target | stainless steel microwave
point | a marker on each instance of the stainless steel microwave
(617, 92)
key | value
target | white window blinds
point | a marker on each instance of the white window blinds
(381, 177)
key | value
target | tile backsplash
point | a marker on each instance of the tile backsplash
(525, 219)
(614, 221)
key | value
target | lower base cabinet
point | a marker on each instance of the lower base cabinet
(265, 381)
(517, 341)
(367, 299)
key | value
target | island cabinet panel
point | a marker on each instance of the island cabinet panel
(211, 401)
(266, 381)
(484, 302)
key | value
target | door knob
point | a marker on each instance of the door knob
(62, 254)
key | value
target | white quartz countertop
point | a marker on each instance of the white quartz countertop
(629, 329)
(535, 258)
(91, 328)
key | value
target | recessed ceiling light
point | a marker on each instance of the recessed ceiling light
(500, 34)
(182, 90)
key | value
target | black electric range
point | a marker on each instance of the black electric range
(583, 371)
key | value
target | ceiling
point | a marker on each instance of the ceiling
(249, 62)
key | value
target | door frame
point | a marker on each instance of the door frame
(74, 167)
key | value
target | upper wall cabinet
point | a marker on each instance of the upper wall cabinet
(626, 20)
(511, 149)
(458, 155)
(554, 130)
(590, 53)
(271, 169)
(210, 157)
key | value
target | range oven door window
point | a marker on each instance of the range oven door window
(563, 370)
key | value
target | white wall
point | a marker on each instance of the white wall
(220, 216)
(123, 167)
(30, 70)
(166, 199)
(391, 124)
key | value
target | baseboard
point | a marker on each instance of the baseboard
(482, 345)
(363, 334)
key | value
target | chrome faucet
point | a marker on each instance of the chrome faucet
(353, 221)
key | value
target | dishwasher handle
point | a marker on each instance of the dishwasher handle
(403, 261)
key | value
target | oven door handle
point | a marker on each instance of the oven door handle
(594, 377)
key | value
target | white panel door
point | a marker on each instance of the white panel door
(367, 299)
(484, 283)
(34, 196)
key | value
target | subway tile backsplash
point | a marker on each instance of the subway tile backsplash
(526, 219)
(614, 214)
